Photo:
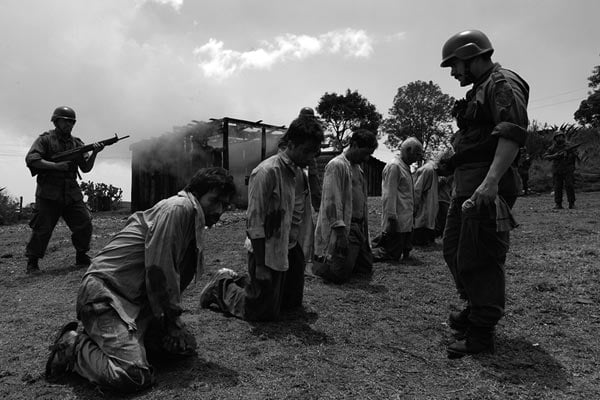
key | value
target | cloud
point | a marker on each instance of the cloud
(218, 62)
(176, 4)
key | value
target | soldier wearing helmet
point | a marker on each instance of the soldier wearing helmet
(564, 157)
(492, 121)
(57, 193)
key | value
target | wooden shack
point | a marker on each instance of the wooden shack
(162, 166)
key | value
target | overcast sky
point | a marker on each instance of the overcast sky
(140, 67)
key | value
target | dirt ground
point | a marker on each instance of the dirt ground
(382, 338)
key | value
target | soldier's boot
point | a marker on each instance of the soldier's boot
(82, 260)
(32, 267)
(572, 205)
(479, 340)
(558, 206)
(459, 323)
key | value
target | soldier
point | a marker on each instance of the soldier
(279, 232)
(397, 219)
(564, 157)
(129, 300)
(57, 193)
(523, 168)
(342, 234)
(492, 122)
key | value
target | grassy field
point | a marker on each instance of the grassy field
(382, 338)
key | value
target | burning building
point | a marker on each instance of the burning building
(162, 166)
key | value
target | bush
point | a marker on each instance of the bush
(9, 208)
(101, 197)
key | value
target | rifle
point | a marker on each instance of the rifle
(563, 152)
(69, 155)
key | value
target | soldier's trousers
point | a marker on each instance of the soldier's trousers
(46, 215)
(263, 300)
(475, 254)
(564, 180)
(358, 258)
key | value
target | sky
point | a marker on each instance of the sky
(141, 67)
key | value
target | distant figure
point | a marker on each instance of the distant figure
(492, 122)
(563, 156)
(57, 193)
(444, 196)
(523, 168)
(129, 300)
(426, 204)
(279, 232)
(397, 219)
(342, 234)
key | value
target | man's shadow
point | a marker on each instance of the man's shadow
(170, 373)
(518, 361)
(292, 323)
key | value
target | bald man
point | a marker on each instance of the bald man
(397, 220)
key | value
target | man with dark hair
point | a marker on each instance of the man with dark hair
(398, 202)
(563, 156)
(492, 122)
(129, 300)
(57, 193)
(279, 232)
(342, 234)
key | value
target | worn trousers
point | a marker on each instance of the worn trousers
(564, 180)
(392, 246)
(46, 215)
(358, 258)
(255, 299)
(109, 353)
(475, 254)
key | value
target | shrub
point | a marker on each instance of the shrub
(101, 197)
(9, 208)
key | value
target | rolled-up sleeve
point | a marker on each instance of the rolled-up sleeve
(36, 152)
(509, 109)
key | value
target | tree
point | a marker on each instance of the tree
(588, 112)
(344, 113)
(420, 109)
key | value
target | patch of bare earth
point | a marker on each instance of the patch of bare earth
(377, 338)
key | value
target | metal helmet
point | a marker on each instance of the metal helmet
(306, 112)
(63, 112)
(465, 45)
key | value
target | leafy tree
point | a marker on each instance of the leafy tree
(344, 113)
(420, 109)
(100, 196)
(588, 112)
(8, 208)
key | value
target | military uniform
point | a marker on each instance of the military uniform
(57, 195)
(475, 243)
(563, 172)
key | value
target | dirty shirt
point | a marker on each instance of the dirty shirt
(279, 209)
(343, 199)
(150, 261)
(397, 192)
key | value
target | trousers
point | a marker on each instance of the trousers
(46, 215)
(255, 299)
(475, 254)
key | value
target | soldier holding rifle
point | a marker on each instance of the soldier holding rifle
(563, 156)
(57, 193)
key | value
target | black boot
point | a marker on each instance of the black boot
(33, 267)
(82, 260)
(479, 340)
(459, 323)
